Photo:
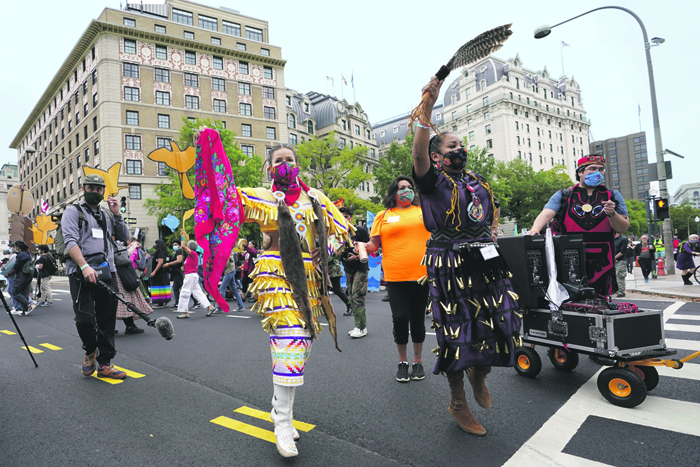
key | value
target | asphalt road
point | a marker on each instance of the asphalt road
(219, 368)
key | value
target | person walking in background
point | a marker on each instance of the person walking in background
(401, 234)
(46, 267)
(356, 277)
(336, 273)
(676, 242)
(621, 263)
(139, 260)
(229, 281)
(249, 255)
(158, 278)
(23, 278)
(174, 266)
(190, 286)
(17, 308)
(134, 296)
(685, 264)
(629, 256)
(644, 251)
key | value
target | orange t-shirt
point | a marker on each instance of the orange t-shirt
(403, 238)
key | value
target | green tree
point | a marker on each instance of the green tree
(247, 172)
(398, 160)
(683, 218)
(637, 213)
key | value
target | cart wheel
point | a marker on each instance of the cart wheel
(563, 360)
(696, 275)
(651, 376)
(622, 387)
(527, 362)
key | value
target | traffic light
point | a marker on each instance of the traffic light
(123, 205)
(662, 210)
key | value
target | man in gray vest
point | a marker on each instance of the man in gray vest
(87, 232)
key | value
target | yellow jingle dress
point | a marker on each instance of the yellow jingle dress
(290, 341)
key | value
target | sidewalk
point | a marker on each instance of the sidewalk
(664, 286)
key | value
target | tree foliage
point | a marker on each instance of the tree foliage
(398, 160)
(247, 172)
(637, 214)
(683, 219)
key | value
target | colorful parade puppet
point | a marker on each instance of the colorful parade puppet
(476, 321)
(110, 176)
(43, 225)
(591, 209)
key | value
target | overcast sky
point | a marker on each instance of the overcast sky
(392, 48)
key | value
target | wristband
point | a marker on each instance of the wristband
(84, 266)
(420, 125)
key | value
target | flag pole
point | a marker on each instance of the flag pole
(352, 79)
(639, 114)
(561, 51)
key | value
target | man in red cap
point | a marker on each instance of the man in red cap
(596, 212)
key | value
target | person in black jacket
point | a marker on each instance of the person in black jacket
(22, 280)
(645, 252)
(356, 276)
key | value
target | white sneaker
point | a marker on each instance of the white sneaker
(356, 334)
(353, 330)
(16, 312)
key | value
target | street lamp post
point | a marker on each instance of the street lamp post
(544, 31)
(697, 224)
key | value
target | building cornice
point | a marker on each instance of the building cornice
(97, 28)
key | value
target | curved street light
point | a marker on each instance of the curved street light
(544, 31)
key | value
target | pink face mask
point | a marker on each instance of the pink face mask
(285, 173)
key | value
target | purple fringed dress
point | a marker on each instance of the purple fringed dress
(471, 297)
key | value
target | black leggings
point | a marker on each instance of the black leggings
(645, 264)
(408, 301)
(335, 283)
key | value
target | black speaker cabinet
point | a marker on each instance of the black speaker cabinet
(570, 254)
(525, 256)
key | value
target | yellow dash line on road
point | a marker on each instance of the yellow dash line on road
(245, 428)
(107, 380)
(33, 349)
(129, 373)
(301, 426)
(9, 333)
(51, 347)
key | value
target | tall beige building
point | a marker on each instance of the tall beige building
(126, 86)
(517, 113)
(9, 176)
(627, 164)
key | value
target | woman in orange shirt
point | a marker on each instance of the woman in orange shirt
(401, 234)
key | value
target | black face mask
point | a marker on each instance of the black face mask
(456, 159)
(92, 198)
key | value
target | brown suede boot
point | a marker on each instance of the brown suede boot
(458, 405)
(477, 378)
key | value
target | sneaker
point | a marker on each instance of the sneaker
(402, 374)
(183, 316)
(49, 304)
(352, 331)
(16, 312)
(42, 304)
(348, 312)
(30, 309)
(133, 330)
(620, 295)
(197, 305)
(217, 311)
(240, 308)
(89, 363)
(108, 371)
(646, 280)
(417, 372)
(359, 333)
(385, 298)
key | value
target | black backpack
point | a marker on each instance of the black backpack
(59, 242)
(49, 266)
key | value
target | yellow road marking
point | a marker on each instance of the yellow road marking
(9, 333)
(107, 380)
(245, 428)
(129, 373)
(50, 347)
(301, 426)
(34, 349)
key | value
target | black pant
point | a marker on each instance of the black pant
(20, 289)
(408, 301)
(630, 264)
(95, 317)
(645, 264)
(335, 283)
(246, 282)
(178, 280)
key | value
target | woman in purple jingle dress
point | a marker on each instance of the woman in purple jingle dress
(472, 300)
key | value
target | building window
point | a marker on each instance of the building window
(190, 58)
(292, 139)
(253, 34)
(163, 121)
(233, 29)
(161, 52)
(310, 127)
(342, 144)
(192, 102)
(215, 40)
(265, 52)
(207, 22)
(269, 112)
(86, 109)
(163, 169)
(87, 155)
(132, 118)
(133, 167)
(243, 68)
(183, 17)
(130, 22)
(131, 70)
(129, 46)
(489, 143)
(240, 46)
(162, 75)
(96, 147)
(191, 80)
(218, 84)
(162, 143)
(268, 92)
(247, 150)
(244, 88)
(134, 191)
(246, 130)
(292, 121)
(219, 105)
(485, 101)
(469, 110)
(132, 142)
(488, 129)
(218, 63)
(131, 94)
(357, 130)
(471, 136)
(271, 133)
(267, 72)
(162, 98)
(189, 35)
(245, 109)
(160, 29)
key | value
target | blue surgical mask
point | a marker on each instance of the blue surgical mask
(594, 179)
(175, 247)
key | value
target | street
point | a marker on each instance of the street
(203, 398)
